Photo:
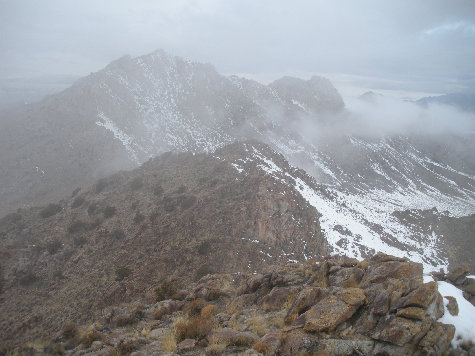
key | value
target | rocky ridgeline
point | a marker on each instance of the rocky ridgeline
(340, 306)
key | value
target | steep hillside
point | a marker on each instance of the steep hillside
(178, 216)
(136, 108)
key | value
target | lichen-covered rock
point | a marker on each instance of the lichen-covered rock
(438, 338)
(333, 310)
(455, 274)
(186, 345)
(306, 298)
(452, 305)
(420, 297)
(277, 297)
(412, 313)
(230, 336)
(346, 277)
(397, 330)
(269, 344)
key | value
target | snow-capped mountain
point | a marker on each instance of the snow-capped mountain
(136, 108)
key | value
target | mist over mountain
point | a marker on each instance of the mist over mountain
(161, 151)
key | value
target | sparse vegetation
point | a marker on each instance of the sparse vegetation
(69, 331)
(136, 183)
(53, 246)
(166, 290)
(50, 210)
(180, 190)
(109, 211)
(186, 201)
(27, 279)
(122, 272)
(101, 184)
(157, 190)
(77, 202)
(79, 241)
(77, 226)
(117, 234)
(204, 247)
(203, 270)
(91, 209)
(138, 218)
(154, 215)
(169, 342)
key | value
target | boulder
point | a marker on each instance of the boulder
(277, 297)
(412, 313)
(186, 345)
(420, 297)
(269, 344)
(333, 310)
(438, 338)
(233, 337)
(452, 306)
(399, 331)
(393, 269)
(305, 299)
(457, 272)
(346, 277)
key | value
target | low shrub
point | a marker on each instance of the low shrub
(203, 270)
(136, 183)
(69, 331)
(50, 210)
(79, 241)
(77, 226)
(187, 201)
(109, 211)
(53, 247)
(100, 185)
(157, 190)
(77, 202)
(27, 279)
(91, 209)
(166, 290)
(122, 273)
(117, 234)
(196, 327)
(138, 218)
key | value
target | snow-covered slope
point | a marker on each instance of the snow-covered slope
(364, 186)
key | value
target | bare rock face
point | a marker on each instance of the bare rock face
(304, 315)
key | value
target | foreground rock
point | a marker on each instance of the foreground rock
(294, 309)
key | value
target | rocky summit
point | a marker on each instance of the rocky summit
(339, 306)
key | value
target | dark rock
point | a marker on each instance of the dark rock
(277, 298)
(346, 277)
(304, 300)
(457, 272)
(452, 306)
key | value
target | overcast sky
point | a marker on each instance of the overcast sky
(417, 45)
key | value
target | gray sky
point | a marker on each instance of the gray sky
(413, 45)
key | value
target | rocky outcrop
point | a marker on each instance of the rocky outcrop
(292, 309)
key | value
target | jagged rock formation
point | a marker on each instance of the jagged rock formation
(339, 306)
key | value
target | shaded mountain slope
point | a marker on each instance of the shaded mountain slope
(178, 216)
